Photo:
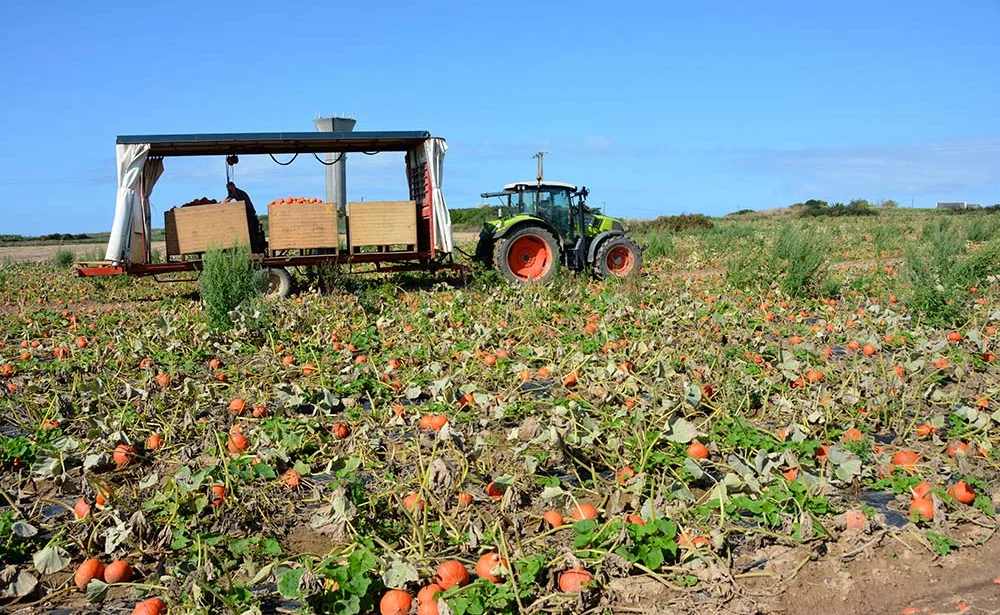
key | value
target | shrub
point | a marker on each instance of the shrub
(983, 228)
(228, 279)
(673, 224)
(746, 269)
(657, 244)
(940, 278)
(64, 258)
(797, 257)
(816, 208)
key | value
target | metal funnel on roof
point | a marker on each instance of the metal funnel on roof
(336, 173)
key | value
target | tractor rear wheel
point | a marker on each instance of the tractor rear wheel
(529, 254)
(618, 257)
(484, 249)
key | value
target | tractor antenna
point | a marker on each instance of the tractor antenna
(540, 156)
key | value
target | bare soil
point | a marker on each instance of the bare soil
(38, 254)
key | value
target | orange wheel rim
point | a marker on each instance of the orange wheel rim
(529, 258)
(620, 260)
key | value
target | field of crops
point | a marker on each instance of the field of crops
(769, 394)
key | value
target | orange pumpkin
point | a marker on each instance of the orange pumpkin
(89, 569)
(118, 572)
(490, 566)
(451, 573)
(572, 580)
(395, 602)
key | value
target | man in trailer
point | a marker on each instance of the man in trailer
(258, 243)
(235, 194)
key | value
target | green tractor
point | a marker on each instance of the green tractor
(546, 224)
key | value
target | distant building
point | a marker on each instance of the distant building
(958, 205)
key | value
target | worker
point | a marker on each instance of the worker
(235, 194)
(258, 242)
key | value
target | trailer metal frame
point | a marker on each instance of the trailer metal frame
(424, 257)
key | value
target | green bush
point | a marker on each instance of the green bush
(747, 270)
(940, 276)
(983, 228)
(228, 279)
(64, 258)
(797, 258)
(817, 208)
(673, 224)
(657, 244)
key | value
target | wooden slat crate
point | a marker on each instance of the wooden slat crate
(195, 229)
(382, 224)
(303, 226)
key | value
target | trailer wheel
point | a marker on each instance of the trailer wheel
(618, 256)
(275, 282)
(529, 254)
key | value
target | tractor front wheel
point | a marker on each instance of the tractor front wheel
(529, 254)
(618, 257)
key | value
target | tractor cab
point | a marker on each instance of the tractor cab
(556, 202)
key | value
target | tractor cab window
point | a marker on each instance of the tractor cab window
(555, 206)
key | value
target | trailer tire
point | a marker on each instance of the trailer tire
(618, 256)
(528, 255)
(275, 282)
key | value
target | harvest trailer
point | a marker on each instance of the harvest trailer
(392, 235)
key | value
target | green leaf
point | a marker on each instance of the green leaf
(263, 470)
(50, 559)
(270, 546)
(96, 591)
(653, 558)
(682, 431)
(399, 573)
(288, 582)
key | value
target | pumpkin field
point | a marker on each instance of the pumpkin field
(773, 402)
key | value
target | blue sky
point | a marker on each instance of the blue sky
(658, 107)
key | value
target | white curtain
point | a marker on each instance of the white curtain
(131, 159)
(434, 150)
(151, 171)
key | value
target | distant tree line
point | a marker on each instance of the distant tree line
(49, 237)
(857, 207)
(472, 216)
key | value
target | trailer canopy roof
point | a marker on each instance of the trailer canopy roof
(277, 142)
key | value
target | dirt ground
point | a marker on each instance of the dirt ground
(21, 254)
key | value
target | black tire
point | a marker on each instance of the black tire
(275, 282)
(617, 256)
(528, 255)
(484, 249)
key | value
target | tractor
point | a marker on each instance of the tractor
(545, 224)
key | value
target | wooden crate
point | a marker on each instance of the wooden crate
(303, 226)
(382, 224)
(195, 229)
